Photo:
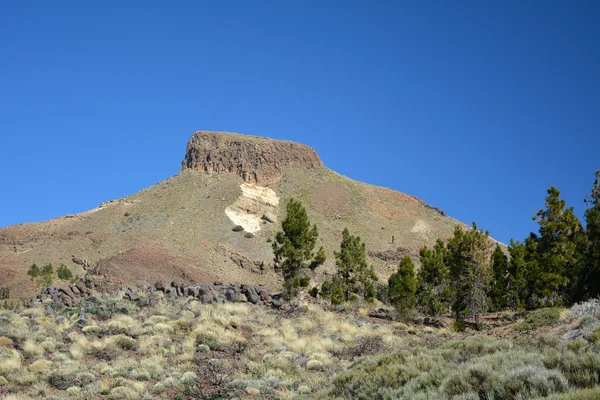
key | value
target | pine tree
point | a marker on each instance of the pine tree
(433, 289)
(592, 220)
(561, 247)
(353, 275)
(294, 248)
(402, 286)
(498, 288)
(469, 265)
(515, 280)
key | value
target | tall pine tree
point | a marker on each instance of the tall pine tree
(433, 288)
(294, 248)
(515, 280)
(469, 265)
(498, 287)
(592, 220)
(561, 248)
(353, 275)
(402, 286)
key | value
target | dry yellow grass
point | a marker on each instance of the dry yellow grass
(154, 351)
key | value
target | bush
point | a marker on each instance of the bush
(538, 318)
(238, 228)
(64, 273)
(531, 381)
(249, 235)
(594, 337)
(61, 382)
(125, 342)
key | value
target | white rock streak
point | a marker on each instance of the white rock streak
(250, 207)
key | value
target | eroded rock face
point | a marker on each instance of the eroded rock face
(256, 205)
(255, 159)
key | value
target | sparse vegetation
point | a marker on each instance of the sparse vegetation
(43, 277)
(249, 235)
(180, 348)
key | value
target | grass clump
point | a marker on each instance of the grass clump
(539, 318)
(249, 235)
(585, 394)
(238, 228)
(594, 336)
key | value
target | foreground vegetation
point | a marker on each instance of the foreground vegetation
(106, 347)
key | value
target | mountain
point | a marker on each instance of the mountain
(182, 228)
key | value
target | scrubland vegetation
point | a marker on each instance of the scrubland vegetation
(106, 347)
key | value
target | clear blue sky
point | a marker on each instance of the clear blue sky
(473, 106)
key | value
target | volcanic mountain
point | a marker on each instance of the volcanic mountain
(182, 228)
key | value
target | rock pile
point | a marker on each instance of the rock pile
(219, 292)
(64, 295)
(216, 292)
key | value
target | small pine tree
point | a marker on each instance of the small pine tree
(498, 292)
(469, 265)
(294, 248)
(402, 286)
(34, 271)
(433, 289)
(46, 276)
(353, 276)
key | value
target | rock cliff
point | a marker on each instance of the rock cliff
(255, 159)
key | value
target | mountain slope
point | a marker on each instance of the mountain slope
(181, 228)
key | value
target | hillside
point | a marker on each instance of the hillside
(181, 228)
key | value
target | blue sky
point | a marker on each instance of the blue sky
(473, 106)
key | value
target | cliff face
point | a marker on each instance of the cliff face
(256, 160)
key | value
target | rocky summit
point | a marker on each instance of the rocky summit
(182, 229)
(254, 159)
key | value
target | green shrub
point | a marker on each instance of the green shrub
(530, 381)
(125, 342)
(594, 337)
(210, 339)
(538, 318)
(238, 228)
(42, 277)
(249, 235)
(61, 382)
(64, 273)
(337, 295)
(587, 321)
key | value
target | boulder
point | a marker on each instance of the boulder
(159, 286)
